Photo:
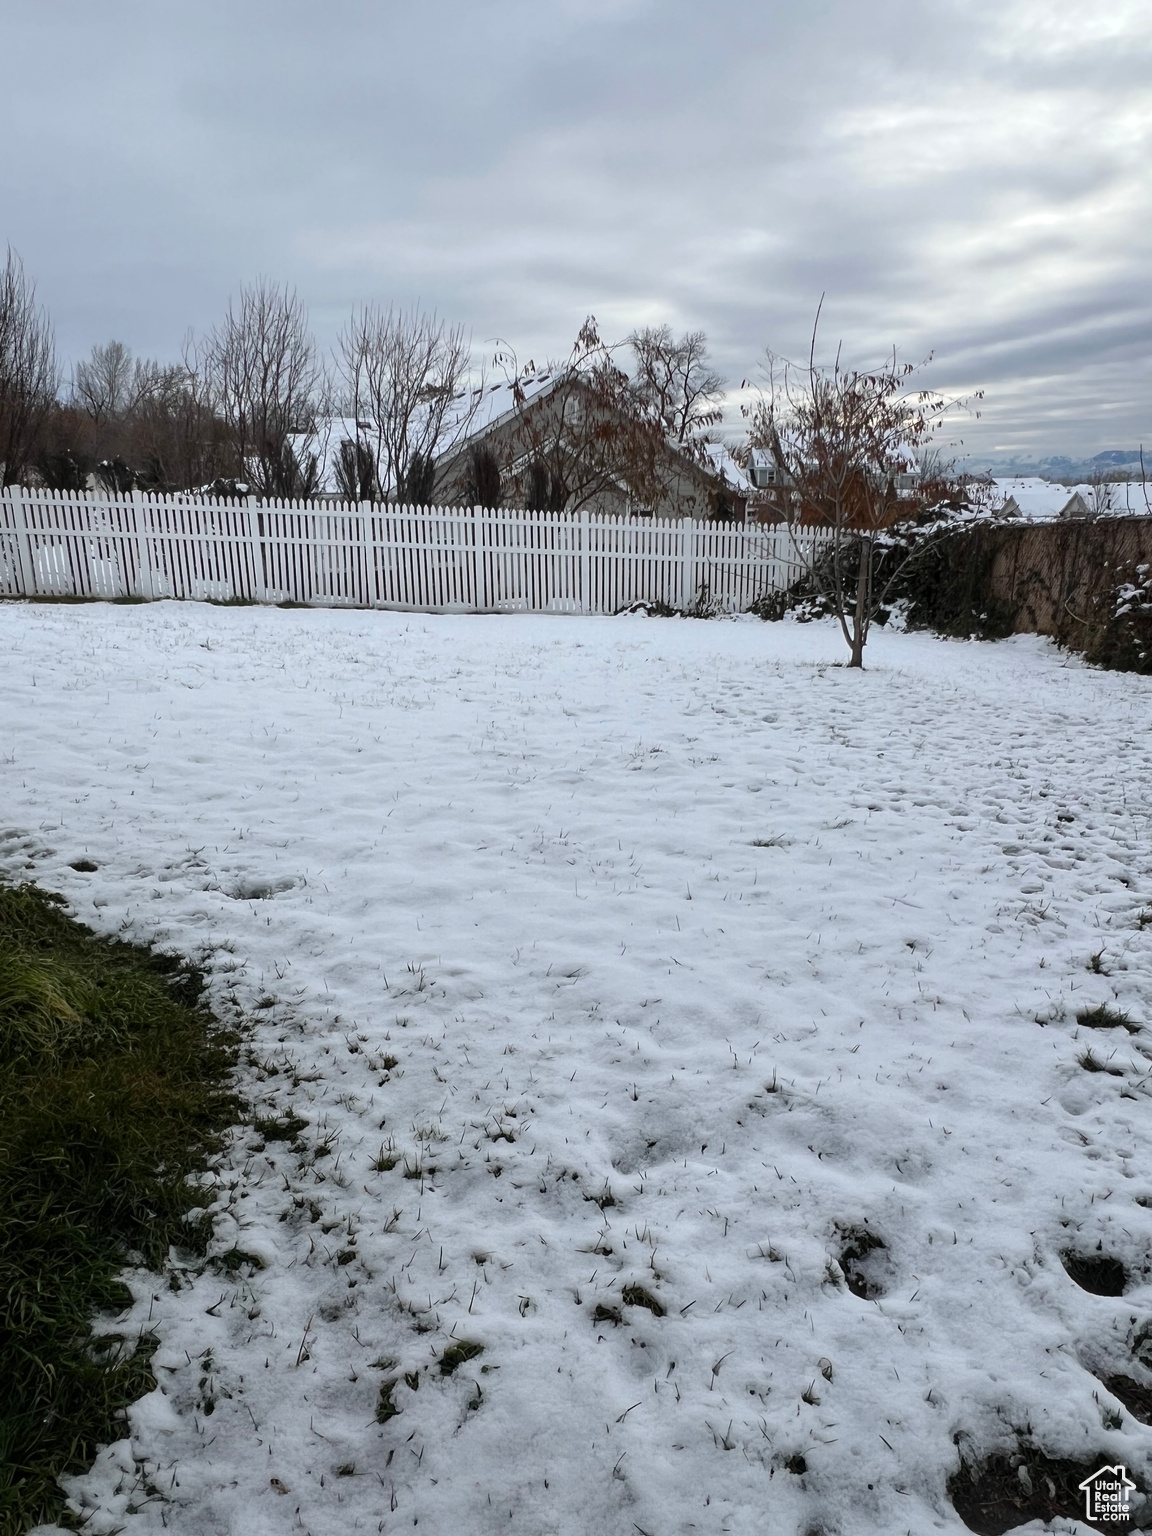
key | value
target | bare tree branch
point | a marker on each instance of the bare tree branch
(263, 372)
(675, 381)
(406, 373)
(28, 374)
(102, 385)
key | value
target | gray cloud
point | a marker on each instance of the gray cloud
(958, 176)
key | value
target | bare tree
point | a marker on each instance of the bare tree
(103, 385)
(263, 371)
(100, 428)
(28, 375)
(137, 423)
(179, 441)
(843, 439)
(675, 380)
(406, 374)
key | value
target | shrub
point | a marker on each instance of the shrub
(1123, 641)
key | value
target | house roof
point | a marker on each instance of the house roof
(725, 466)
(1042, 501)
(1037, 500)
(480, 409)
(325, 444)
(470, 415)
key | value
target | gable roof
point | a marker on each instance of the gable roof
(472, 414)
(469, 415)
(1037, 500)
(479, 410)
(725, 467)
(1040, 501)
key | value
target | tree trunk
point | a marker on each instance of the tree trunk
(861, 616)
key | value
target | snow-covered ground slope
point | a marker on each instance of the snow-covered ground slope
(672, 964)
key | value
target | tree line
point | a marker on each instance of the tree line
(246, 402)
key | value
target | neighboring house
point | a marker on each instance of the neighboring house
(763, 470)
(773, 499)
(765, 473)
(554, 426)
(735, 480)
(1040, 501)
(556, 445)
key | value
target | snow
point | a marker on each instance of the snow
(679, 913)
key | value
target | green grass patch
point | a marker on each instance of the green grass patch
(1092, 1063)
(457, 1354)
(280, 1130)
(385, 1408)
(115, 1085)
(637, 1296)
(1103, 1017)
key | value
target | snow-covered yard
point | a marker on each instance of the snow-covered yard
(682, 1018)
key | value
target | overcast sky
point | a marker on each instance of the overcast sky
(968, 177)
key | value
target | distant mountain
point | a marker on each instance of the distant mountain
(1121, 462)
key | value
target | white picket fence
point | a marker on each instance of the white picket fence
(429, 559)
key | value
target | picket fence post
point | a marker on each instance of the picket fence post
(689, 558)
(23, 542)
(585, 561)
(143, 567)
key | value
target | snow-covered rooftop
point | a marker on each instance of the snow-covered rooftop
(720, 457)
(1043, 501)
(1040, 501)
(470, 414)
